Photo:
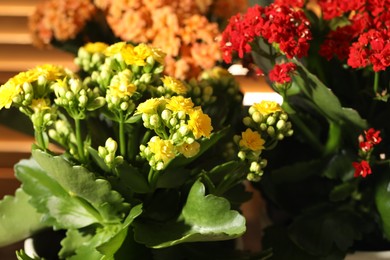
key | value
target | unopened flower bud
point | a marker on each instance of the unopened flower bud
(271, 120)
(166, 114)
(280, 125)
(111, 145)
(124, 106)
(271, 130)
(83, 100)
(257, 117)
(241, 155)
(27, 88)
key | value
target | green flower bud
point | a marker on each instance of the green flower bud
(102, 151)
(241, 155)
(183, 130)
(257, 117)
(27, 88)
(280, 125)
(124, 106)
(271, 130)
(154, 120)
(83, 100)
(111, 145)
(247, 121)
(69, 95)
(173, 121)
(166, 114)
(271, 120)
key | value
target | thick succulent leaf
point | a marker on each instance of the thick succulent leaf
(382, 200)
(324, 99)
(50, 199)
(101, 243)
(80, 182)
(14, 225)
(321, 228)
(203, 218)
(69, 194)
(112, 245)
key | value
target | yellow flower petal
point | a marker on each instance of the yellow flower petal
(252, 140)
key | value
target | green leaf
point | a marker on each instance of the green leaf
(21, 255)
(203, 218)
(58, 207)
(99, 243)
(14, 225)
(110, 247)
(382, 201)
(321, 228)
(130, 177)
(70, 196)
(98, 160)
(324, 99)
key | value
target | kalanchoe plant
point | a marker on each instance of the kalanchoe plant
(328, 186)
(140, 173)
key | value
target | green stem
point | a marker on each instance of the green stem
(334, 138)
(40, 138)
(122, 140)
(153, 177)
(79, 140)
(376, 82)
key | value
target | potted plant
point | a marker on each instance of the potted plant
(150, 167)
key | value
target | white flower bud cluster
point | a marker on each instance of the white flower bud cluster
(87, 61)
(256, 170)
(108, 153)
(76, 98)
(274, 126)
(201, 92)
(63, 133)
(43, 118)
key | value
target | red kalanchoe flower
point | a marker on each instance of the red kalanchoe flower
(281, 73)
(293, 3)
(372, 136)
(361, 169)
(366, 146)
(279, 25)
(372, 48)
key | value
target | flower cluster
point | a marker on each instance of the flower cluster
(264, 22)
(139, 158)
(366, 144)
(190, 37)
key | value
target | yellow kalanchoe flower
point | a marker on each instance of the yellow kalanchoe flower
(252, 140)
(149, 106)
(180, 103)
(189, 150)
(174, 84)
(121, 85)
(96, 47)
(163, 150)
(200, 124)
(267, 107)
(115, 48)
(49, 71)
(7, 93)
